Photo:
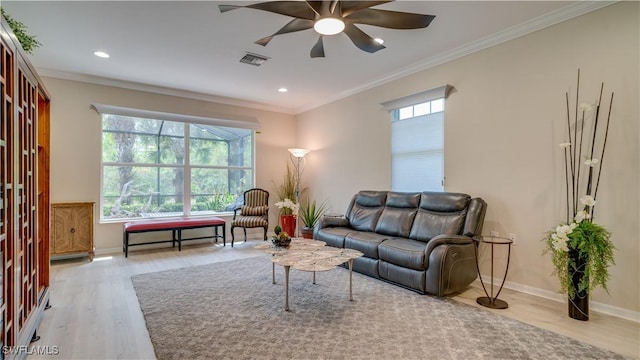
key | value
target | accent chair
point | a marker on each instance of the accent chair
(254, 213)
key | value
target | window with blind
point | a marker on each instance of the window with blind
(417, 141)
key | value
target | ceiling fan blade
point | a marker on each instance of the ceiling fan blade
(316, 6)
(362, 40)
(349, 7)
(390, 19)
(318, 49)
(225, 8)
(293, 26)
(296, 9)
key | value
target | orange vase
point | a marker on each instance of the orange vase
(288, 224)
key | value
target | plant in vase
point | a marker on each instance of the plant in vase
(287, 191)
(288, 213)
(281, 238)
(310, 213)
(580, 249)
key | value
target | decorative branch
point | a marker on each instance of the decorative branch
(604, 146)
(575, 142)
(593, 142)
(573, 178)
(577, 191)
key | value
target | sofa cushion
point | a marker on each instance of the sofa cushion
(403, 252)
(366, 210)
(444, 202)
(403, 200)
(365, 242)
(428, 224)
(475, 217)
(410, 278)
(333, 236)
(397, 217)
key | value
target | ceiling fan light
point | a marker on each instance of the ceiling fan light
(328, 26)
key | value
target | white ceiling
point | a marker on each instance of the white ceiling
(191, 49)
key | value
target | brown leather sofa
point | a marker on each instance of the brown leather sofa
(422, 241)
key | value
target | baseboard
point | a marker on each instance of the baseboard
(550, 295)
(109, 251)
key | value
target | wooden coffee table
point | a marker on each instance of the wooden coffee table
(311, 256)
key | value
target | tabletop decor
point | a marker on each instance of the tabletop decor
(281, 238)
(580, 249)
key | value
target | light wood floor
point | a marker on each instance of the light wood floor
(95, 312)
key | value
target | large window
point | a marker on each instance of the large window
(417, 141)
(153, 167)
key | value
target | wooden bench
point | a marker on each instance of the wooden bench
(176, 225)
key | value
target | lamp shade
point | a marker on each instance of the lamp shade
(299, 153)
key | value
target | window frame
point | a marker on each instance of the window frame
(186, 165)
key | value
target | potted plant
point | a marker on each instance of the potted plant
(580, 249)
(288, 208)
(288, 213)
(310, 213)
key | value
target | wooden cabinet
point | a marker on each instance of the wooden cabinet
(72, 228)
(24, 197)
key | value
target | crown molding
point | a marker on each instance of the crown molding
(555, 17)
(91, 79)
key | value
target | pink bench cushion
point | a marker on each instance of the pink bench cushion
(173, 223)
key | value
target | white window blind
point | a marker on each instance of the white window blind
(417, 160)
(417, 140)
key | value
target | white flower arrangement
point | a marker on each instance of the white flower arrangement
(580, 249)
(288, 207)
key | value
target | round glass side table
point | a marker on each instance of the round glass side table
(491, 301)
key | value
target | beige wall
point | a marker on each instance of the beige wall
(502, 126)
(76, 141)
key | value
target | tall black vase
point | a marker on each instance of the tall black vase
(579, 304)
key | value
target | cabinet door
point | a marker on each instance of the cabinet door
(82, 225)
(72, 228)
(61, 241)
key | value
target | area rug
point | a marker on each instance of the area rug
(231, 310)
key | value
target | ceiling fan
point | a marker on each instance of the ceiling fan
(333, 17)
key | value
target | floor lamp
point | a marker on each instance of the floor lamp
(297, 157)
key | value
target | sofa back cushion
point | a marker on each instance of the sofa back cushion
(365, 209)
(475, 217)
(440, 213)
(397, 217)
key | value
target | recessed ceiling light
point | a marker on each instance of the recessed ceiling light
(379, 41)
(283, 90)
(101, 54)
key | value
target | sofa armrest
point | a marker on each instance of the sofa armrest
(445, 240)
(332, 221)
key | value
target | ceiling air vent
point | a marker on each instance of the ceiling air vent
(253, 59)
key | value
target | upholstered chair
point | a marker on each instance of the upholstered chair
(254, 213)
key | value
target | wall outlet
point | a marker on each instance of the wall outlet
(495, 233)
(512, 236)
